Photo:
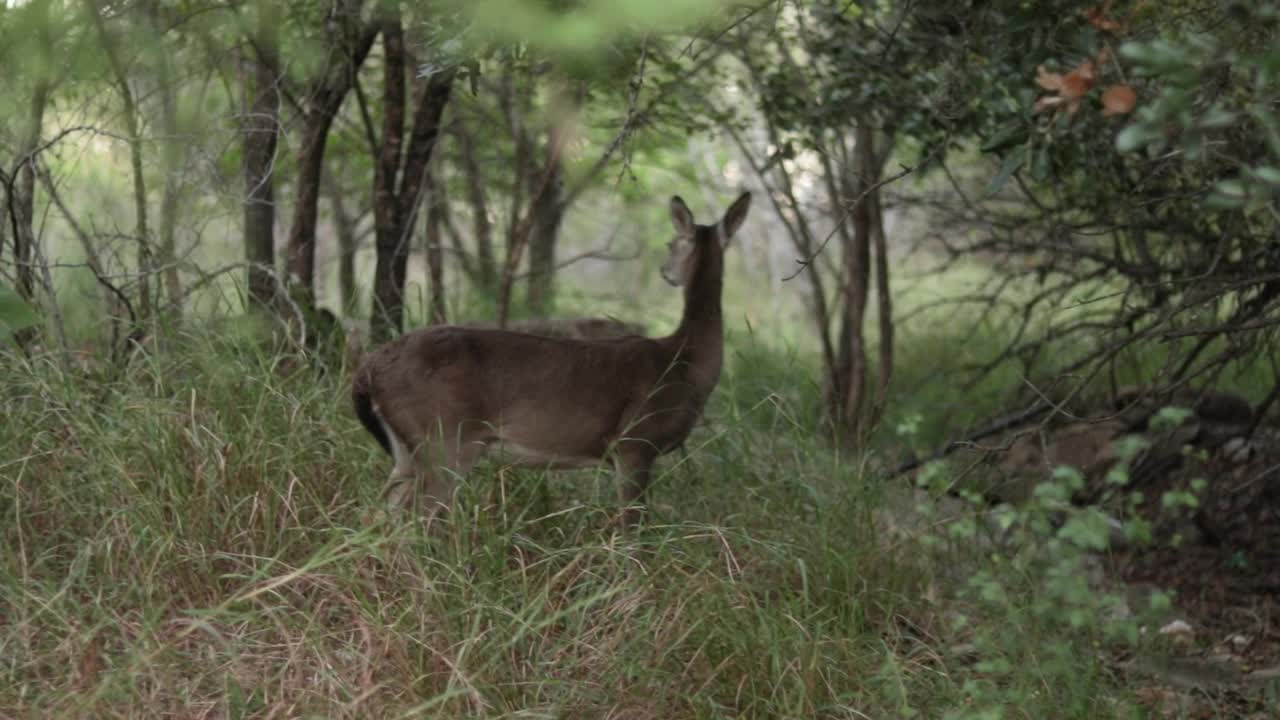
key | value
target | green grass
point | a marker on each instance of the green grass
(200, 539)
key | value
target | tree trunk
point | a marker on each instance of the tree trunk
(434, 241)
(548, 207)
(327, 95)
(398, 183)
(884, 307)
(486, 268)
(347, 246)
(306, 200)
(24, 189)
(171, 156)
(547, 215)
(514, 103)
(388, 217)
(261, 135)
(133, 135)
(847, 393)
(5, 221)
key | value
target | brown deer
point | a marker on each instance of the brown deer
(437, 397)
(578, 328)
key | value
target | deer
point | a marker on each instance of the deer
(570, 327)
(437, 398)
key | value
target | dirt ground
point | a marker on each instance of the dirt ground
(1222, 560)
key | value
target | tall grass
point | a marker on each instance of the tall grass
(199, 539)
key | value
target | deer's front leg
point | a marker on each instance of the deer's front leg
(634, 466)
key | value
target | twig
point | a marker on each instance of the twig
(716, 38)
(844, 216)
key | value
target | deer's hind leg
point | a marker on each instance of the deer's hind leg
(399, 492)
(431, 469)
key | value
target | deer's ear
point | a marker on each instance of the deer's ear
(734, 217)
(681, 217)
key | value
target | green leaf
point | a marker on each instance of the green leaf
(1169, 417)
(1012, 162)
(1223, 202)
(1269, 174)
(1135, 136)
(1231, 187)
(1088, 530)
(1216, 117)
(1007, 135)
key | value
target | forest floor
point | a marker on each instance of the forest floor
(1222, 561)
(199, 538)
(1207, 490)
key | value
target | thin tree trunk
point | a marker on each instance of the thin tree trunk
(548, 207)
(512, 102)
(547, 216)
(133, 136)
(5, 220)
(434, 241)
(347, 246)
(302, 229)
(327, 95)
(486, 267)
(261, 136)
(399, 183)
(25, 192)
(514, 105)
(884, 307)
(392, 248)
(171, 154)
(851, 377)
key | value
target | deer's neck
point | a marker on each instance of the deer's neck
(700, 336)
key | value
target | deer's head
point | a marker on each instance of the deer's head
(693, 242)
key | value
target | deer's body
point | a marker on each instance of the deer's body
(438, 397)
(579, 328)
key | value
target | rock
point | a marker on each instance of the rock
(1179, 631)
(1237, 450)
(1223, 408)
(1188, 673)
(1265, 675)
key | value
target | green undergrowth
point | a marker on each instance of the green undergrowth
(201, 538)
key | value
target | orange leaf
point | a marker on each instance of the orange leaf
(1078, 82)
(1100, 17)
(1102, 22)
(1048, 80)
(1119, 100)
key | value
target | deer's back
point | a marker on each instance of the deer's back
(572, 396)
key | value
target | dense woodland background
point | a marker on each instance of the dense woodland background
(999, 404)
